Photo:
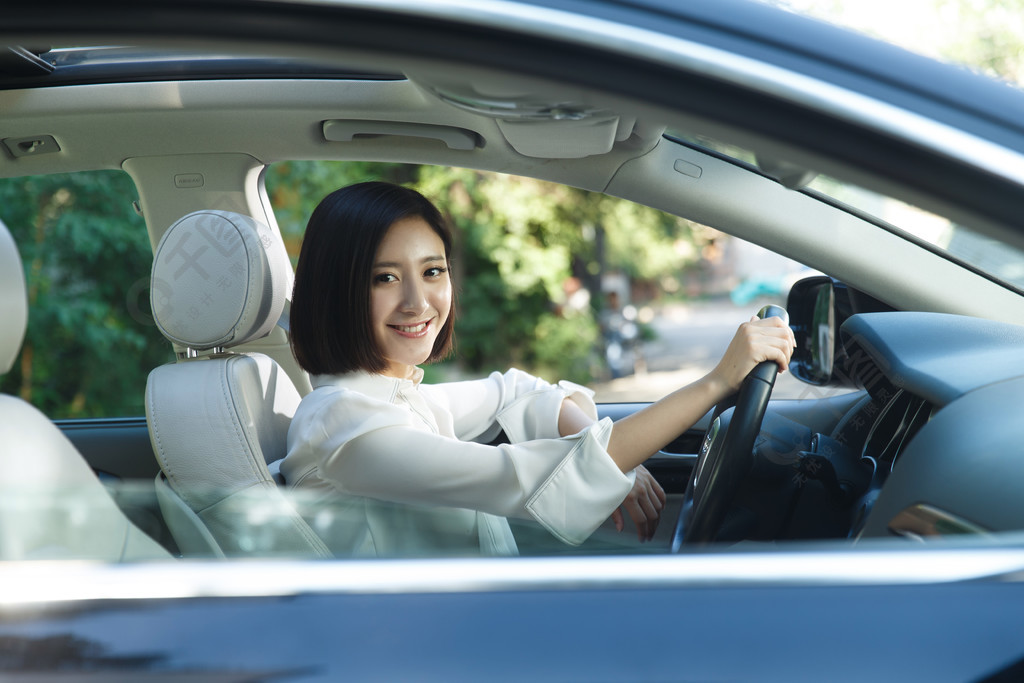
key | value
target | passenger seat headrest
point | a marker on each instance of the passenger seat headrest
(13, 301)
(219, 279)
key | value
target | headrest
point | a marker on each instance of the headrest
(13, 301)
(219, 279)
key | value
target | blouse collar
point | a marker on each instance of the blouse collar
(369, 384)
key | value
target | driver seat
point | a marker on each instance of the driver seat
(52, 505)
(218, 419)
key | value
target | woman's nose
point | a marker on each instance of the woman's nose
(414, 297)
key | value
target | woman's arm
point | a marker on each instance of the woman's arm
(638, 436)
(368, 447)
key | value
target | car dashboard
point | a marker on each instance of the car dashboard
(938, 426)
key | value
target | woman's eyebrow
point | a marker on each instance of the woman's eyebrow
(396, 264)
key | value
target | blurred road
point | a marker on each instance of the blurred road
(690, 339)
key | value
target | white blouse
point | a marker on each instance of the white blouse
(392, 467)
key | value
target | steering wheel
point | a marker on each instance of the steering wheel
(726, 455)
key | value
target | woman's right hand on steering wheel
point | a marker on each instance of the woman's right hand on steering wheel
(638, 436)
(755, 341)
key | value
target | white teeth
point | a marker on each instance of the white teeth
(411, 330)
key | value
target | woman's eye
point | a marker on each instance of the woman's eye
(435, 272)
(385, 277)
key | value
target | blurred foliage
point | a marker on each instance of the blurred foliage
(295, 188)
(989, 36)
(91, 340)
(982, 35)
(511, 259)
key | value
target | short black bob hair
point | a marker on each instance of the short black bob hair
(331, 330)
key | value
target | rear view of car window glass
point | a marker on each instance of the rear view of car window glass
(91, 341)
(568, 284)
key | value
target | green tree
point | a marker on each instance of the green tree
(512, 257)
(522, 241)
(91, 340)
(296, 187)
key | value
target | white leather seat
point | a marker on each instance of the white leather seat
(217, 419)
(52, 505)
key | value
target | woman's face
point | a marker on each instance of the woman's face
(410, 294)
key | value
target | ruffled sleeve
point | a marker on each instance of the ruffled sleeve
(524, 406)
(368, 447)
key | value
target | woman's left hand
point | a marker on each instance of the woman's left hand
(643, 504)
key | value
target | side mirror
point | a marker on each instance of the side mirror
(818, 306)
(812, 315)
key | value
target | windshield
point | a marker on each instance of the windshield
(997, 259)
(960, 243)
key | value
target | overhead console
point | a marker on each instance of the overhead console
(538, 120)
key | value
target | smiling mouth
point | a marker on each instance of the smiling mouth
(417, 330)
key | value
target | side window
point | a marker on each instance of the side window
(658, 334)
(91, 340)
(569, 284)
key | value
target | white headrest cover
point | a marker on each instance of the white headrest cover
(13, 301)
(219, 279)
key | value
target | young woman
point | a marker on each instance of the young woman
(406, 466)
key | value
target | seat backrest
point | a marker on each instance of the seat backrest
(218, 419)
(52, 505)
